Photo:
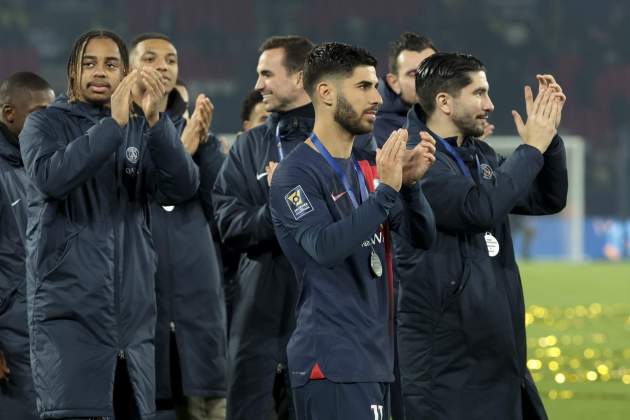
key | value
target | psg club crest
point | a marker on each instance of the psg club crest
(132, 154)
(486, 171)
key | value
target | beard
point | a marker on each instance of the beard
(468, 124)
(349, 119)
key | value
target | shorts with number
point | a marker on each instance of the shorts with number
(325, 400)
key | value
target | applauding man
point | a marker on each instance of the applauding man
(461, 316)
(332, 217)
(89, 252)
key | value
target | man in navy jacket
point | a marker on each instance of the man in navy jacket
(264, 312)
(333, 209)
(90, 259)
(190, 337)
(461, 323)
(397, 87)
(21, 94)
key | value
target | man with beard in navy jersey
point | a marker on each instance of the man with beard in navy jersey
(333, 215)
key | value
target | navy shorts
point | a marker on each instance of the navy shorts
(322, 399)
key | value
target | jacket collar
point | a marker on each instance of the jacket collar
(9, 147)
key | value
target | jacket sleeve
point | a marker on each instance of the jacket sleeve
(327, 241)
(415, 221)
(548, 193)
(460, 205)
(58, 167)
(172, 175)
(209, 158)
(242, 223)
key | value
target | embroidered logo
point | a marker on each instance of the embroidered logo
(298, 202)
(132, 154)
(336, 197)
(486, 171)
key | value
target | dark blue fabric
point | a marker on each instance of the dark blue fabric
(188, 282)
(343, 310)
(326, 400)
(17, 395)
(90, 259)
(461, 326)
(264, 312)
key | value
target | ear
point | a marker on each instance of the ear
(393, 82)
(8, 113)
(299, 79)
(325, 93)
(443, 103)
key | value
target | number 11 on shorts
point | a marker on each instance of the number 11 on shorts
(378, 411)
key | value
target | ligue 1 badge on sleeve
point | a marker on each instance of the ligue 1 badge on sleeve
(492, 244)
(375, 264)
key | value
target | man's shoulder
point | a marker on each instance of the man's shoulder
(300, 164)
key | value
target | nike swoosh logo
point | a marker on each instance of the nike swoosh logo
(15, 202)
(261, 176)
(338, 196)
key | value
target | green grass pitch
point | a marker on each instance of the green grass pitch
(578, 336)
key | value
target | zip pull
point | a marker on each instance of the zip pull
(172, 325)
(121, 354)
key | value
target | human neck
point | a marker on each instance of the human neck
(337, 140)
(444, 128)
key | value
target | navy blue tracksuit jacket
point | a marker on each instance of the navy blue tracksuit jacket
(188, 281)
(344, 319)
(90, 259)
(461, 323)
(17, 395)
(264, 313)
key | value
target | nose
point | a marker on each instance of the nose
(260, 84)
(489, 106)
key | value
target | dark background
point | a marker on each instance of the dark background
(584, 43)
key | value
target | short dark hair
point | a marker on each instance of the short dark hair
(407, 41)
(333, 58)
(19, 82)
(148, 35)
(296, 49)
(444, 72)
(253, 99)
(74, 61)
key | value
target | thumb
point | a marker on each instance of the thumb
(518, 121)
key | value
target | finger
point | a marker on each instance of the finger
(541, 109)
(542, 83)
(428, 147)
(153, 80)
(149, 83)
(387, 147)
(425, 136)
(199, 100)
(395, 149)
(555, 107)
(549, 79)
(537, 102)
(529, 100)
(125, 83)
(518, 122)
(399, 147)
(546, 110)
